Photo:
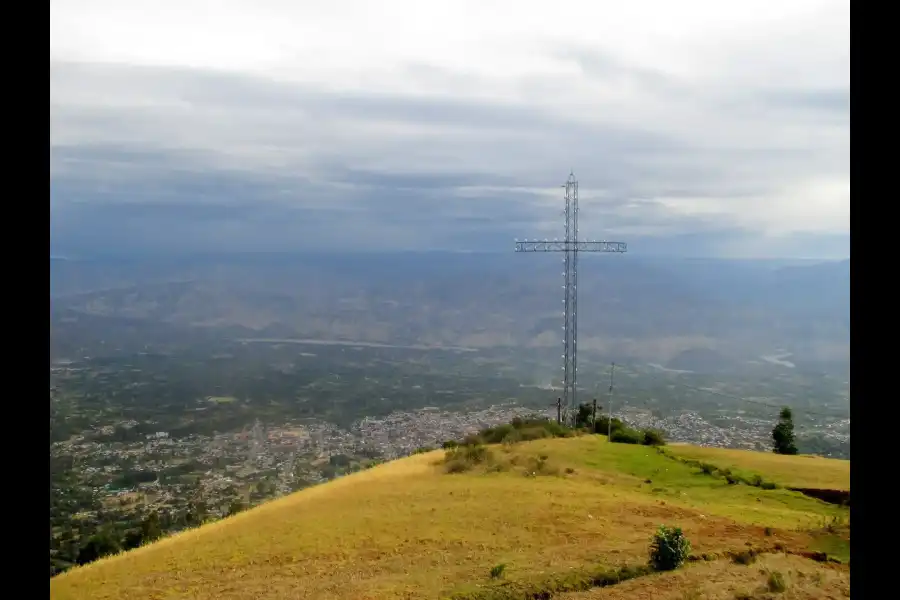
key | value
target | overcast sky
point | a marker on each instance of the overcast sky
(694, 127)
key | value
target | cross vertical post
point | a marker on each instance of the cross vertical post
(570, 246)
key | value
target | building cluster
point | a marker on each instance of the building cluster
(264, 461)
(402, 433)
(690, 427)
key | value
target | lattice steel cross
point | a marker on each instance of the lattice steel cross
(570, 247)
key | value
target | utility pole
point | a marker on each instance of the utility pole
(559, 410)
(594, 418)
(612, 372)
(570, 247)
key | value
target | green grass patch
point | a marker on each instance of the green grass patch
(546, 586)
(800, 471)
(688, 486)
(832, 545)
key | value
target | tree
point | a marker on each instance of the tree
(98, 546)
(783, 433)
(150, 528)
(237, 505)
(584, 416)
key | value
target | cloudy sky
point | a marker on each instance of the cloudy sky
(696, 127)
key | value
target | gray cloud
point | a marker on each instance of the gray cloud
(156, 158)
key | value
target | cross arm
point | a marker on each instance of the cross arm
(564, 246)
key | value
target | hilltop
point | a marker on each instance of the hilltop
(556, 513)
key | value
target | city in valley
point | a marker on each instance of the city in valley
(177, 402)
(259, 462)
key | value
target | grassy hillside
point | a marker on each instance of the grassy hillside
(724, 580)
(549, 510)
(790, 471)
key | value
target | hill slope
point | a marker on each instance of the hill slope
(408, 529)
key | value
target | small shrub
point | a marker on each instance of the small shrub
(476, 454)
(449, 445)
(756, 481)
(776, 582)
(768, 485)
(495, 435)
(779, 547)
(473, 439)
(456, 466)
(747, 557)
(707, 468)
(497, 571)
(513, 437)
(653, 437)
(539, 466)
(569, 470)
(464, 458)
(626, 436)
(769, 532)
(603, 426)
(521, 430)
(533, 433)
(669, 549)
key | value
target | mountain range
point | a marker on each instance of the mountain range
(673, 312)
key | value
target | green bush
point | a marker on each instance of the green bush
(518, 430)
(532, 433)
(495, 435)
(653, 437)
(473, 439)
(602, 425)
(626, 435)
(776, 582)
(464, 458)
(669, 549)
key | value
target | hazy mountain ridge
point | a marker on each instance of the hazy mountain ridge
(647, 309)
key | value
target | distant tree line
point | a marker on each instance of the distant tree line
(110, 533)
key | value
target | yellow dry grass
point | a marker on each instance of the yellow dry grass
(406, 529)
(724, 580)
(803, 471)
